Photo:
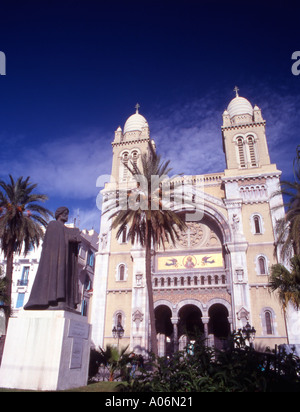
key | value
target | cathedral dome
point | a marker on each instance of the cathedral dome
(239, 105)
(135, 122)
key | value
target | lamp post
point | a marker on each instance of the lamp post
(118, 332)
(248, 333)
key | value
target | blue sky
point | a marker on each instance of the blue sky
(76, 69)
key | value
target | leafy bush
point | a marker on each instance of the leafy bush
(237, 369)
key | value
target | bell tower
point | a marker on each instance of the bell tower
(244, 138)
(128, 145)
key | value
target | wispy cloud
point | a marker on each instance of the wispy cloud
(190, 137)
(66, 167)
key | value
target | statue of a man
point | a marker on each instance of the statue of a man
(56, 282)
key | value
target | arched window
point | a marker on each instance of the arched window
(155, 282)
(169, 281)
(124, 236)
(252, 154)
(121, 274)
(240, 143)
(195, 280)
(269, 322)
(262, 265)
(135, 156)
(257, 225)
(125, 158)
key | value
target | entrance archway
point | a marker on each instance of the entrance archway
(190, 322)
(218, 325)
(164, 330)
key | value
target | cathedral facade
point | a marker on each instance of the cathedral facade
(215, 280)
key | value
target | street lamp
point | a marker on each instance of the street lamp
(248, 333)
(118, 332)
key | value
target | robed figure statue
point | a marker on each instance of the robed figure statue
(56, 282)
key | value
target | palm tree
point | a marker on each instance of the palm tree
(114, 360)
(150, 219)
(288, 228)
(286, 283)
(21, 221)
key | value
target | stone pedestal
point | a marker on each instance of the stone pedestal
(46, 350)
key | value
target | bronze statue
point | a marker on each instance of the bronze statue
(56, 282)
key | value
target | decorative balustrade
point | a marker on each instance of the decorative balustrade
(180, 280)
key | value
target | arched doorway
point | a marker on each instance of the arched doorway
(190, 325)
(164, 329)
(218, 325)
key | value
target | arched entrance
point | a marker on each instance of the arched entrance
(164, 329)
(218, 325)
(190, 325)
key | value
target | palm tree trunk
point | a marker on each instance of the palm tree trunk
(154, 347)
(9, 273)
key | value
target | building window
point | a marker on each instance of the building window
(262, 265)
(87, 283)
(84, 308)
(257, 225)
(268, 320)
(20, 300)
(252, 155)
(90, 259)
(135, 156)
(25, 274)
(121, 272)
(119, 319)
(240, 143)
(124, 235)
(125, 158)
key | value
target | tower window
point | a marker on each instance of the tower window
(257, 225)
(134, 157)
(124, 235)
(121, 272)
(262, 265)
(125, 158)
(253, 161)
(240, 143)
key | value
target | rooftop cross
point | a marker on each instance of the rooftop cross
(236, 90)
(137, 106)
